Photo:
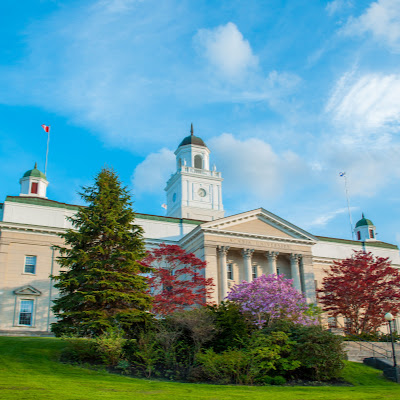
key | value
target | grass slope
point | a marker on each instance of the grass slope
(29, 369)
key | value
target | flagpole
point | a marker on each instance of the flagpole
(47, 151)
(348, 203)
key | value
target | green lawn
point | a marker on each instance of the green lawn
(29, 370)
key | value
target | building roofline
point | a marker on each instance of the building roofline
(52, 203)
(358, 243)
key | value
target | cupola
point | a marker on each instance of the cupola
(192, 153)
(34, 183)
(194, 191)
(365, 230)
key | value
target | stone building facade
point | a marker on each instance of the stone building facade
(236, 248)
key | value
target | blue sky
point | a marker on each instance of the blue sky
(286, 94)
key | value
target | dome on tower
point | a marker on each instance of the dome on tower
(35, 173)
(364, 222)
(191, 139)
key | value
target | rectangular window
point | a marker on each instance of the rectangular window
(30, 265)
(230, 271)
(254, 272)
(277, 271)
(26, 312)
(347, 325)
(358, 235)
(371, 234)
(34, 188)
(332, 322)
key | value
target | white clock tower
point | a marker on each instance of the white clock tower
(194, 191)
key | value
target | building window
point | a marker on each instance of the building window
(198, 162)
(26, 313)
(347, 325)
(277, 271)
(358, 235)
(230, 271)
(371, 234)
(254, 272)
(34, 188)
(30, 265)
(332, 322)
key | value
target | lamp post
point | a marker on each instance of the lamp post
(389, 318)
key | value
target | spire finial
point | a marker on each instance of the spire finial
(363, 215)
(35, 165)
(191, 129)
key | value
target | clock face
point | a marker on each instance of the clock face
(174, 197)
(201, 192)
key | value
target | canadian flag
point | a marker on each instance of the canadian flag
(46, 128)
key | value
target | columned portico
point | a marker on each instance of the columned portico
(294, 267)
(247, 253)
(222, 252)
(272, 256)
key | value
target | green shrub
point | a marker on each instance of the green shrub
(231, 327)
(80, 350)
(274, 380)
(109, 347)
(144, 353)
(264, 356)
(319, 351)
(231, 366)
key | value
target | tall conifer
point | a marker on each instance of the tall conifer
(102, 282)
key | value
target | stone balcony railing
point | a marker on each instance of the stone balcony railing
(200, 171)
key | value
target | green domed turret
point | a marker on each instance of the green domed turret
(34, 183)
(34, 173)
(364, 222)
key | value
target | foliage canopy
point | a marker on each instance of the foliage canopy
(269, 298)
(362, 289)
(177, 281)
(102, 281)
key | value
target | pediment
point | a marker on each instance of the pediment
(28, 291)
(259, 222)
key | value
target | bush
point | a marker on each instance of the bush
(264, 357)
(231, 366)
(231, 326)
(80, 350)
(109, 347)
(319, 351)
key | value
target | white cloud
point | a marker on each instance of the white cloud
(336, 6)
(254, 167)
(323, 219)
(381, 20)
(369, 101)
(151, 175)
(226, 49)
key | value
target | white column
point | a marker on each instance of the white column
(294, 266)
(272, 256)
(248, 273)
(222, 252)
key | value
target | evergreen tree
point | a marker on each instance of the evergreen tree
(102, 282)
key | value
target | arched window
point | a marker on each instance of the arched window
(358, 235)
(198, 162)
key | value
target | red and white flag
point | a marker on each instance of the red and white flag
(46, 128)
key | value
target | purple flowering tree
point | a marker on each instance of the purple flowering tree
(271, 297)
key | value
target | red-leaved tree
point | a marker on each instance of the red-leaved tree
(178, 280)
(361, 289)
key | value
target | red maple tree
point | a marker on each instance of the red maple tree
(177, 281)
(361, 289)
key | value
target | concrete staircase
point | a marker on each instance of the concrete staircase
(357, 351)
